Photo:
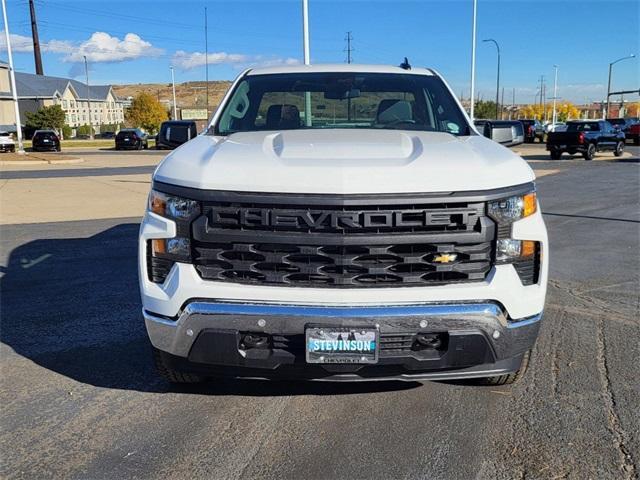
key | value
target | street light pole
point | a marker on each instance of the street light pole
(498, 77)
(555, 94)
(473, 60)
(12, 75)
(173, 84)
(86, 72)
(609, 83)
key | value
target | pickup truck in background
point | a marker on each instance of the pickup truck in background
(533, 130)
(586, 137)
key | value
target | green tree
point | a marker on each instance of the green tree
(83, 130)
(47, 117)
(485, 109)
(66, 131)
(146, 112)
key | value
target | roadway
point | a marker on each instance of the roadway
(81, 399)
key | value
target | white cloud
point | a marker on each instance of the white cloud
(189, 60)
(19, 43)
(100, 47)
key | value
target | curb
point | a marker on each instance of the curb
(67, 161)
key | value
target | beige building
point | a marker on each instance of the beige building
(36, 91)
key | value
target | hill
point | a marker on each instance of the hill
(188, 94)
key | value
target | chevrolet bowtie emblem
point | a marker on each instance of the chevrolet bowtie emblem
(445, 258)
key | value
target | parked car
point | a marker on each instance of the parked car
(401, 245)
(625, 125)
(586, 137)
(532, 129)
(506, 132)
(132, 138)
(108, 135)
(174, 133)
(633, 133)
(7, 144)
(45, 140)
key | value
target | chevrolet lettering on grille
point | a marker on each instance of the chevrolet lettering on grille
(313, 220)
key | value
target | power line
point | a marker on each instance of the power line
(349, 48)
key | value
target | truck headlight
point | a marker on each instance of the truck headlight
(164, 252)
(511, 209)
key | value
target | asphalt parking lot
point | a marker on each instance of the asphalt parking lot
(81, 400)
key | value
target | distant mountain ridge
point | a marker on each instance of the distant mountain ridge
(188, 94)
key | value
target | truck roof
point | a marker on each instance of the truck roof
(338, 67)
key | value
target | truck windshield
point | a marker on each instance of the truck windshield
(341, 100)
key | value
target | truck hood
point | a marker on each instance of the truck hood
(343, 161)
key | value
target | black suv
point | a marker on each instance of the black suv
(174, 133)
(133, 138)
(45, 140)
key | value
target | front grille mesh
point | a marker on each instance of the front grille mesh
(351, 244)
(364, 265)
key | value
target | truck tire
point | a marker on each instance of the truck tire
(170, 374)
(590, 153)
(619, 149)
(509, 378)
(556, 154)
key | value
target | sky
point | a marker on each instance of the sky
(137, 42)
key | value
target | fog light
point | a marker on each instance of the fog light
(179, 246)
(510, 250)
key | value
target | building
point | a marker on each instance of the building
(37, 91)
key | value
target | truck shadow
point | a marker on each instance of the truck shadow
(72, 306)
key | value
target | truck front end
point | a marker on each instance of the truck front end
(373, 243)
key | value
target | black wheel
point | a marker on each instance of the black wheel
(619, 149)
(146, 146)
(170, 374)
(139, 146)
(590, 153)
(556, 154)
(509, 378)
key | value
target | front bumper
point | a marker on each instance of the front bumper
(480, 340)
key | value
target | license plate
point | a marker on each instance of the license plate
(45, 140)
(342, 345)
(126, 139)
(563, 146)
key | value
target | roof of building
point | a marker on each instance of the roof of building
(29, 85)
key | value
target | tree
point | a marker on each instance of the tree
(83, 130)
(633, 110)
(146, 112)
(485, 109)
(564, 111)
(47, 117)
(66, 131)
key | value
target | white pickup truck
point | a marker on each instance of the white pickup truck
(342, 222)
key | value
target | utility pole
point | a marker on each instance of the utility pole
(173, 83)
(513, 102)
(206, 59)
(86, 72)
(502, 103)
(473, 58)
(36, 41)
(12, 75)
(349, 49)
(307, 59)
(554, 117)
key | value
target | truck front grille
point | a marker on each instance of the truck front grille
(379, 242)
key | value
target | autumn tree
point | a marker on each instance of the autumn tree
(564, 111)
(146, 112)
(633, 110)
